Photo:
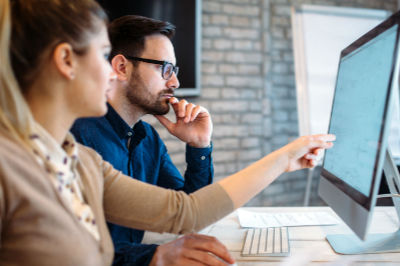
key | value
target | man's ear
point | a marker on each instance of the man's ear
(119, 64)
(64, 59)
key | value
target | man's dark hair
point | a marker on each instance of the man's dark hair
(127, 34)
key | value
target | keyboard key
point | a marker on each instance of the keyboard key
(285, 244)
(263, 240)
(254, 245)
(270, 239)
(248, 241)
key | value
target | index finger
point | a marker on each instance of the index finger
(175, 104)
(173, 101)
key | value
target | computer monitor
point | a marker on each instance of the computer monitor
(361, 113)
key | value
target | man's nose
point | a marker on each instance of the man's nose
(173, 82)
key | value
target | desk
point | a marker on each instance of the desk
(307, 244)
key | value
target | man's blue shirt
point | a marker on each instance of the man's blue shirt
(140, 153)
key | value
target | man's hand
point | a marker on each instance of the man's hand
(193, 123)
(192, 249)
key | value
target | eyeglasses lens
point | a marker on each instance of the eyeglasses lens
(168, 70)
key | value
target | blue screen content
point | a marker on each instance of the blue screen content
(358, 111)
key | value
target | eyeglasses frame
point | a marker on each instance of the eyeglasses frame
(175, 69)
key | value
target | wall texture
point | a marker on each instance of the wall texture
(248, 86)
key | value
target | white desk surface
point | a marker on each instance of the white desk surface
(307, 243)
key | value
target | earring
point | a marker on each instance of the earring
(72, 75)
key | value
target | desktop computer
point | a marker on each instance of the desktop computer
(368, 76)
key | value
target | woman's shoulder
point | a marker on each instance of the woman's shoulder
(87, 154)
(20, 173)
(13, 150)
(91, 161)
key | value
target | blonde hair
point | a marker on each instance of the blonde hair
(15, 115)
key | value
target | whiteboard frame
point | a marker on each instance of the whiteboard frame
(300, 62)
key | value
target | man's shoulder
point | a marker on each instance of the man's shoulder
(89, 125)
(89, 122)
(86, 130)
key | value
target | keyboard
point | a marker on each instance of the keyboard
(271, 241)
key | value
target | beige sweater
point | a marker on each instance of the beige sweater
(37, 227)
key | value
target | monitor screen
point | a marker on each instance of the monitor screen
(360, 119)
(358, 113)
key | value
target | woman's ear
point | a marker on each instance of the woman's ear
(64, 59)
(119, 64)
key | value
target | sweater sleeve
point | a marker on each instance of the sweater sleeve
(132, 203)
(2, 210)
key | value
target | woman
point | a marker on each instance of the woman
(56, 194)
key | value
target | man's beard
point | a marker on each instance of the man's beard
(137, 95)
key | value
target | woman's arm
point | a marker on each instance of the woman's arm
(135, 204)
(299, 154)
(139, 205)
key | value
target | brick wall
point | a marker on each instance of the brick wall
(248, 86)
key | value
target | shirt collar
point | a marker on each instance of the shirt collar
(122, 129)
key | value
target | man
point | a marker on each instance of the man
(143, 59)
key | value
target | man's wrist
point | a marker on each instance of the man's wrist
(200, 145)
(198, 157)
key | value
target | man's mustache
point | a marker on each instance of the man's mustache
(167, 92)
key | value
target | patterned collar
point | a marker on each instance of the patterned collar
(60, 162)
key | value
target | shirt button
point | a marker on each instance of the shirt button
(129, 134)
(203, 158)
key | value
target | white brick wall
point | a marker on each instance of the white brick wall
(248, 87)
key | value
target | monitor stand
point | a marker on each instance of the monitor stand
(350, 244)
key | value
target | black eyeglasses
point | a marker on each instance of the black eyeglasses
(167, 67)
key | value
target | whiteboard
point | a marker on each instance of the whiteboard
(319, 35)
